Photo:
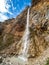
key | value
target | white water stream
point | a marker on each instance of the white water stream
(25, 40)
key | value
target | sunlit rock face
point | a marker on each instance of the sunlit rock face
(39, 31)
(35, 2)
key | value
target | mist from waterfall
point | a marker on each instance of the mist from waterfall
(25, 39)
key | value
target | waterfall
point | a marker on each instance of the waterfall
(26, 36)
(25, 40)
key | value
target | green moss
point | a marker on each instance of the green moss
(47, 63)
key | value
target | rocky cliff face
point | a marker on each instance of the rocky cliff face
(12, 30)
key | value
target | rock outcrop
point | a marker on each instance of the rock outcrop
(12, 30)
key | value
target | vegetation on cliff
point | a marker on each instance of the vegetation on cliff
(47, 62)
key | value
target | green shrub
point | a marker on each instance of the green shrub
(47, 63)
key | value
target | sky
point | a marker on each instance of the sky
(11, 8)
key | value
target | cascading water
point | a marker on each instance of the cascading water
(26, 36)
(25, 40)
